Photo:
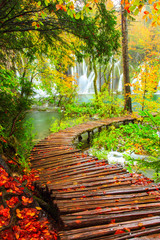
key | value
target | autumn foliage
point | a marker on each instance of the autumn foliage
(20, 216)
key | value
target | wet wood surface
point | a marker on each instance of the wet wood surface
(94, 199)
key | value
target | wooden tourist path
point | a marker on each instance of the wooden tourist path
(94, 199)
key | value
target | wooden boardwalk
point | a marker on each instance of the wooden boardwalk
(94, 199)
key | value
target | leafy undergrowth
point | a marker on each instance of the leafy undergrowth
(20, 215)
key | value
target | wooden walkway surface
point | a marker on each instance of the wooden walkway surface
(94, 199)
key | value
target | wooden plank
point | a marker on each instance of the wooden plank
(109, 229)
(124, 190)
(71, 223)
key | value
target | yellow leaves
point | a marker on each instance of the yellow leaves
(140, 224)
(140, 7)
(158, 20)
(26, 213)
(71, 6)
(18, 213)
(26, 200)
(38, 208)
(34, 24)
(64, 8)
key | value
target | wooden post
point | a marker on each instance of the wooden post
(80, 138)
(89, 137)
(99, 129)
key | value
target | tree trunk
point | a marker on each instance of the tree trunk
(144, 90)
(100, 79)
(127, 90)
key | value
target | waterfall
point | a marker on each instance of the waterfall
(85, 82)
(85, 77)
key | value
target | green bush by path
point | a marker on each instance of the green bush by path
(139, 138)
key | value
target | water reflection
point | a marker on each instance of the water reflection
(42, 121)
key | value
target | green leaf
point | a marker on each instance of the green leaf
(136, 12)
(46, 2)
(69, 12)
(132, 8)
(41, 23)
(136, 3)
(39, 3)
(78, 16)
(82, 16)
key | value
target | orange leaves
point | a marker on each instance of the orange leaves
(155, 6)
(63, 7)
(5, 212)
(127, 6)
(71, 6)
(3, 177)
(59, 6)
(119, 231)
(78, 221)
(4, 216)
(34, 24)
(26, 213)
(28, 224)
(140, 224)
(48, 182)
(127, 229)
(26, 201)
(12, 202)
(136, 6)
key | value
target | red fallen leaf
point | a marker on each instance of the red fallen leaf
(78, 221)
(127, 229)
(146, 12)
(155, 6)
(143, 228)
(113, 221)
(79, 216)
(12, 202)
(5, 212)
(97, 208)
(119, 231)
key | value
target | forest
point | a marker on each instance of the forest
(55, 53)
